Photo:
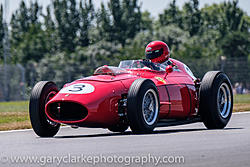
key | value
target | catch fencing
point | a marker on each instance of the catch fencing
(16, 81)
(12, 83)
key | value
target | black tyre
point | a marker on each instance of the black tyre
(216, 100)
(118, 128)
(42, 92)
(143, 106)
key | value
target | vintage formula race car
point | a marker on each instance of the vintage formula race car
(138, 94)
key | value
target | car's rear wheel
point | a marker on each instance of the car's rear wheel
(143, 106)
(42, 92)
(216, 100)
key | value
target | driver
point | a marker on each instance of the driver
(157, 52)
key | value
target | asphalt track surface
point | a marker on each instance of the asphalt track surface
(198, 146)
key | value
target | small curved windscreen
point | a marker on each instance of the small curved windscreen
(109, 70)
(141, 64)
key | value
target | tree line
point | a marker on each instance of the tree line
(73, 37)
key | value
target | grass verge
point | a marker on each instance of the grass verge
(241, 103)
(14, 115)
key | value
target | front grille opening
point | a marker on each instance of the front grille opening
(67, 111)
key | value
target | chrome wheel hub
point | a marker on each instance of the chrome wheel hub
(150, 107)
(224, 100)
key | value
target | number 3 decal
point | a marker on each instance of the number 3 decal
(81, 88)
(77, 88)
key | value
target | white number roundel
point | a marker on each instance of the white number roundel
(80, 88)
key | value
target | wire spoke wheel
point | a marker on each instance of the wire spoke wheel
(150, 107)
(224, 100)
(216, 100)
(143, 106)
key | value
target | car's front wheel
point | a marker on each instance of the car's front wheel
(216, 100)
(42, 92)
(143, 106)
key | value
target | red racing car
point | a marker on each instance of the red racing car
(138, 94)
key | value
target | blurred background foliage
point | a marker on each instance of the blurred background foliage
(73, 37)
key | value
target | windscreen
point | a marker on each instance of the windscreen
(141, 64)
(109, 70)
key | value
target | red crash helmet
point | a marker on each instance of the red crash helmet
(157, 51)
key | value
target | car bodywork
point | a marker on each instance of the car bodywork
(99, 100)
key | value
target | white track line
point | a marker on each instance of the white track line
(20, 130)
(244, 112)
(26, 130)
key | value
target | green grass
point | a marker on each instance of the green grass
(13, 118)
(14, 106)
(244, 98)
(14, 115)
(241, 103)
